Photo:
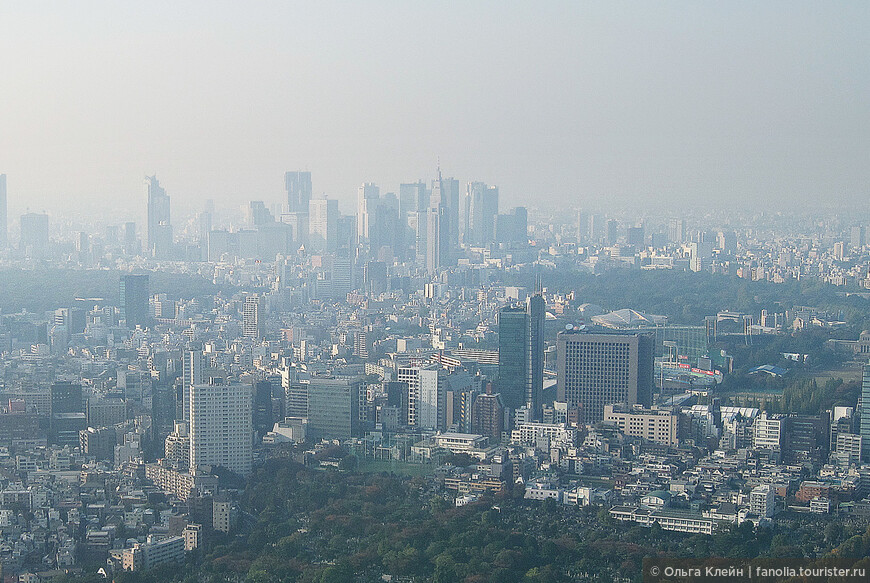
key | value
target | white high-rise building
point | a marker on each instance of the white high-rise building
(221, 427)
(253, 316)
(323, 225)
(368, 198)
(427, 395)
(767, 432)
(192, 367)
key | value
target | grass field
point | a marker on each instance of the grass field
(850, 371)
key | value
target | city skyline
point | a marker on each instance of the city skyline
(676, 104)
(433, 292)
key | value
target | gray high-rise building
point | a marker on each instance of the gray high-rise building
(413, 204)
(159, 221)
(437, 232)
(4, 221)
(437, 228)
(384, 227)
(134, 296)
(413, 197)
(298, 187)
(857, 238)
(597, 369)
(677, 231)
(511, 355)
(612, 231)
(536, 312)
(333, 407)
(596, 227)
(477, 214)
(512, 228)
(34, 235)
(131, 245)
(521, 355)
(864, 414)
(450, 199)
(582, 227)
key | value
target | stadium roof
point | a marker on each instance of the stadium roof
(628, 318)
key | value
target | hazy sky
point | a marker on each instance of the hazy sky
(690, 102)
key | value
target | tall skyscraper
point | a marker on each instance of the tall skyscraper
(418, 225)
(857, 238)
(512, 356)
(864, 414)
(131, 245)
(612, 231)
(34, 235)
(521, 355)
(367, 200)
(596, 227)
(191, 369)
(513, 228)
(256, 214)
(726, 241)
(253, 317)
(385, 232)
(582, 227)
(191, 374)
(450, 199)
(677, 231)
(427, 395)
(159, 220)
(298, 187)
(635, 236)
(438, 229)
(598, 369)
(413, 204)
(323, 225)
(221, 427)
(4, 221)
(477, 214)
(262, 411)
(134, 296)
(536, 312)
(413, 197)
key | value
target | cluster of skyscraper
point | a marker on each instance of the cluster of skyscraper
(424, 224)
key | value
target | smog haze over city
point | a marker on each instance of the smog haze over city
(670, 103)
(406, 292)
